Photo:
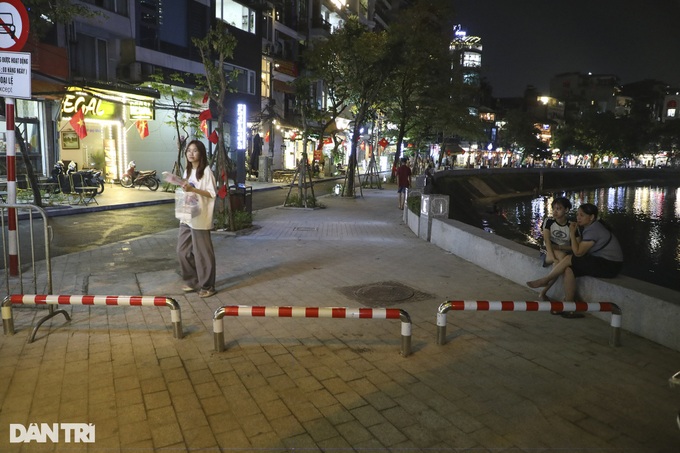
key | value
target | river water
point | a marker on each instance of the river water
(645, 219)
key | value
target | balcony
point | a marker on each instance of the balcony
(320, 28)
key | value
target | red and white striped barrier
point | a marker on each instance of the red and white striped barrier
(312, 312)
(485, 305)
(123, 301)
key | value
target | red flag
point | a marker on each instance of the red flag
(206, 97)
(77, 122)
(204, 127)
(222, 192)
(214, 138)
(143, 128)
(205, 115)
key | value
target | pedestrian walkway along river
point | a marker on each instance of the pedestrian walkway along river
(503, 381)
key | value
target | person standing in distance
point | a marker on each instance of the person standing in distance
(403, 181)
(194, 245)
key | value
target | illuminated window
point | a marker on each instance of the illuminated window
(471, 60)
(236, 15)
(266, 78)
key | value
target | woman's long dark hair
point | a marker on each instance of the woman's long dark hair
(202, 159)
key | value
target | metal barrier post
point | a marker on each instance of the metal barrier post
(312, 312)
(50, 299)
(484, 305)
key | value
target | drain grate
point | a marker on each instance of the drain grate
(383, 294)
(305, 229)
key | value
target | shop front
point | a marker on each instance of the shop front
(111, 120)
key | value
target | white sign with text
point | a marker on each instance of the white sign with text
(15, 75)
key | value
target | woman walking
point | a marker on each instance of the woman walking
(194, 245)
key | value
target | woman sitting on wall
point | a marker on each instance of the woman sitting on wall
(596, 253)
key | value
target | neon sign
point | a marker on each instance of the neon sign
(91, 105)
(241, 127)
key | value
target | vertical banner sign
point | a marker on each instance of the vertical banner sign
(15, 81)
(241, 127)
(241, 144)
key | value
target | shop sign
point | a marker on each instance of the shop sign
(92, 106)
(15, 74)
(241, 127)
(142, 110)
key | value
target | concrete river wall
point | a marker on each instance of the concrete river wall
(650, 311)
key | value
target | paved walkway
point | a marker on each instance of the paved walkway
(528, 382)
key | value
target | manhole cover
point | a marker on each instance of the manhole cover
(384, 293)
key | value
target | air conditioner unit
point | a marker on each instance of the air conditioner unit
(135, 71)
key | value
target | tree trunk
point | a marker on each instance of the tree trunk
(37, 197)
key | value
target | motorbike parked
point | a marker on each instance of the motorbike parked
(133, 178)
(92, 178)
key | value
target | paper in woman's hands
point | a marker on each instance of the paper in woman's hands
(172, 179)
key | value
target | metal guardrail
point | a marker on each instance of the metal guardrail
(39, 267)
(484, 305)
(126, 301)
(312, 312)
(15, 243)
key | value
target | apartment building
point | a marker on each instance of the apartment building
(101, 63)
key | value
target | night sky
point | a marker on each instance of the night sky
(526, 42)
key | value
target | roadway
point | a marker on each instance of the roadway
(86, 231)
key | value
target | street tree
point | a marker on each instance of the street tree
(665, 138)
(184, 106)
(421, 67)
(216, 48)
(520, 133)
(319, 95)
(44, 16)
(358, 62)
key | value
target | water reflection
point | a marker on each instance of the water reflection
(646, 219)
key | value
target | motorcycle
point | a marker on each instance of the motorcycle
(92, 178)
(133, 178)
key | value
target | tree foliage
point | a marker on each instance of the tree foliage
(521, 134)
(355, 63)
(421, 96)
(184, 107)
(44, 14)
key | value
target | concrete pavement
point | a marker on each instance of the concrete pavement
(503, 382)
